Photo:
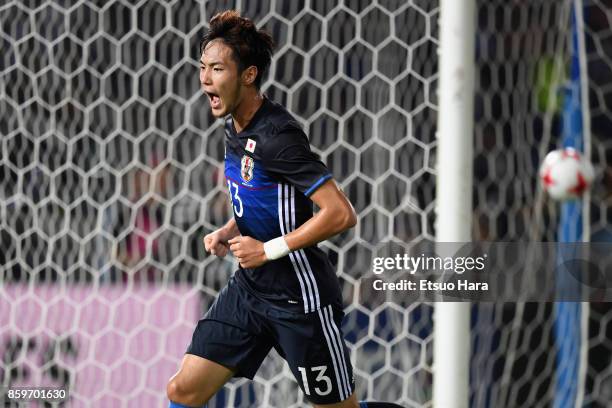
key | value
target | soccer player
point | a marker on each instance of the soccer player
(285, 294)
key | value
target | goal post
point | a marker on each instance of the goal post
(454, 187)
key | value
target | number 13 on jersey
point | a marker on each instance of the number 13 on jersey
(323, 384)
(236, 201)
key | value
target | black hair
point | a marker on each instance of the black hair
(250, 46)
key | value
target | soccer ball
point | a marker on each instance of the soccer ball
(565, 174)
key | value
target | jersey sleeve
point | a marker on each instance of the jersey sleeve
(287, 155)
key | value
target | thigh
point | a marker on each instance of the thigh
(316, 352)
(199, 379)
(231, 335)
(230, 346)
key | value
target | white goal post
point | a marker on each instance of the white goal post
(454, 192)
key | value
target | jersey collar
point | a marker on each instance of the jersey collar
(254, 119)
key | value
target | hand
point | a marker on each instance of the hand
(215, 244)
(249, 251)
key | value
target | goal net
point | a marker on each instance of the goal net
(111, 173)
(527, 55)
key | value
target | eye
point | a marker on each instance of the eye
(217, 69)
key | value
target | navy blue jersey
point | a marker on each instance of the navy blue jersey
(270, 173)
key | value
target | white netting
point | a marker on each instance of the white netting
(524, 52)
(111, 174)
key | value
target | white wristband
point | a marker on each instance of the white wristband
(276, 248)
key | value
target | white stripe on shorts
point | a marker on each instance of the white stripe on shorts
(336, 354)
(335, 335)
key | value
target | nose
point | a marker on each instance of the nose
(205, 77)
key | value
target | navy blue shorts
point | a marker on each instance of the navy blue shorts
(239, 330)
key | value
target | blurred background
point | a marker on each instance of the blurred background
(111, 174)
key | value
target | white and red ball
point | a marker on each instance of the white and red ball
(566, 174)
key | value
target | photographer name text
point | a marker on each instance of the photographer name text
(425, 285)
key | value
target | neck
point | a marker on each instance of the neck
(246, 110)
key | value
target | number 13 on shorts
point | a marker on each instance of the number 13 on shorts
(321, 384)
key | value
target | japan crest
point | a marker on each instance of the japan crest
(246, 169)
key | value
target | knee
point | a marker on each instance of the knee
(178, 393)
(173, 390)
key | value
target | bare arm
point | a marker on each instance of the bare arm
(336, 215)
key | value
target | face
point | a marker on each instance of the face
(220, 79)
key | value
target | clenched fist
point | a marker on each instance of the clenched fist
(249, 251)
(215, 244)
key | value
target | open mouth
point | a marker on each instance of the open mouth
(215, 101)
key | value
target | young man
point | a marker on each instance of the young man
(285, 294)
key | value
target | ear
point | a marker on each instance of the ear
(249, 75)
